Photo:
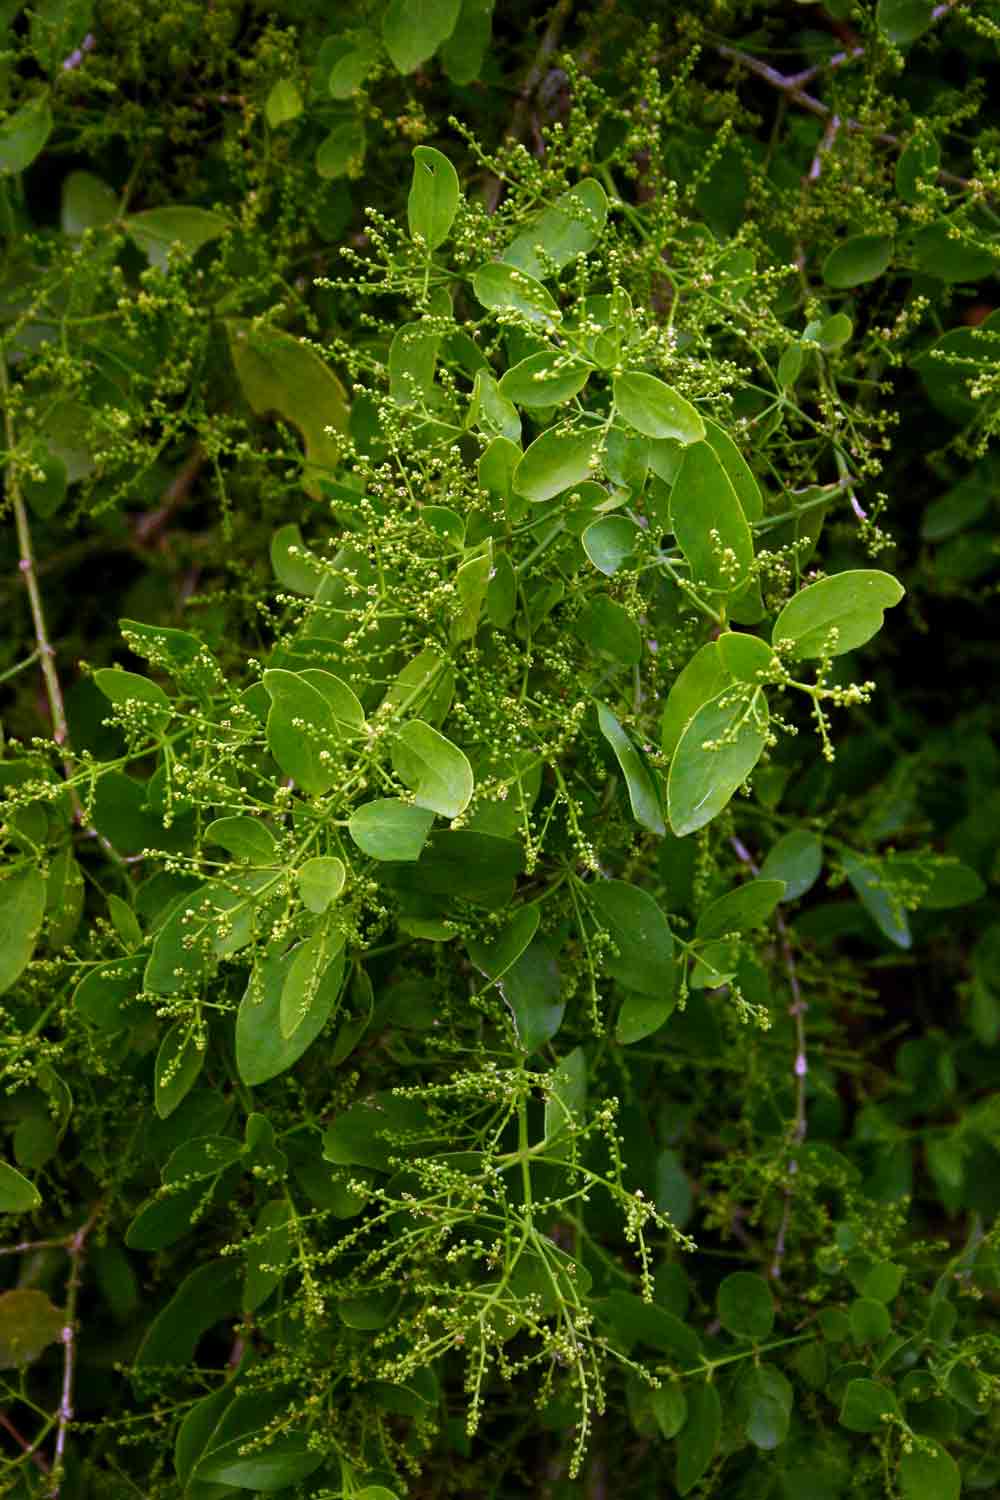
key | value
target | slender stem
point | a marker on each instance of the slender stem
(75, 1249)
(18, 1437)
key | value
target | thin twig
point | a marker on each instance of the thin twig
(149, 526)
(800, 1067)
(829, 136)
(75, 1249)
(30, 1452)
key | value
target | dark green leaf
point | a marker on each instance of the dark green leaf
(313, 981)
(178, 1064)
(607, 626)
(269, 1255)
(642, 790)
(889, 917)
(927, 1472)
(531, 989)
(699, 1438)
(870, 1321)
(748, 906)
(495, 956)
(24, 134)
(865, 1402)
(203, 1298)
(797, 859)
(745, 1306)
(903, 21)
(262, 1052)
(22, 906)
(158, 231)
(862, 258)
(639, 930)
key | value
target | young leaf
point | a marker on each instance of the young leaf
(434, 195)
(436, 771)
(745, 1306)
(413, 30)
(388, 829)
(279, 373)
(17, 1194)
(178, 1064)
(283, 104)
(797, 859)
(837, 614)
(262, 1052)
(655, 409)
(555, 461)
(312, 983)
(157, 231)
(571, 227)
(715, 754)
(699, 1437)
(748, 906)
(504, 288)
(642, 791)
(709, 523)
(321, 881)
(22, 906)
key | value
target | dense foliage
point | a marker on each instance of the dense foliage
(499, 799)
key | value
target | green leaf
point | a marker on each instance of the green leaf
(321, 881)
(122, 687)
(313, 981)
(714, 756)
(280, 374)
(425, 687)
(745, 1306)
(903, 21)
(22, 907)
(918, 161)
(434, 195)
(285, 1461)
(883, 1281)
(157, 231)
(704, 677)
(412, 361)
(102, 996)
(740, 474)
(870, 1321)
(87, 203)
(635, 1321)
(24, 134)
(205, 1297)
(642, 790)
(866, 877)
(495, 956)
(178, 1065)
(304, 729)
(838, 614)
(472, 583)
(796, 859)
(244, 837)
(295, 567)
(388, 829)
(413, 30)
(609, 542)
(566, 1095)
(570, 227)
(361, 1135)
(748, 906)
(29, 1323)
(699, 1438)
(765, 1397)
(204, 1156)
(17, 1194)
(283, 104)
(929, 1473)
(709, 523)
(124, 921)
(642, 936)
(495, 469)
(655, 409)
(262, 1052)
(555, 461)
(436, 771)
(342, 151)
(532, 988)
(349, 72)
(268, 1257)
(504, 288)
(550, 378)
(862, 258)
(865, 1402)
(501, 592)
(462, 55)
(607, 626)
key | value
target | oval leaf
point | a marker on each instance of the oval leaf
(709, 523)
(555, 461)
(504, 288)
(837, 614)
(434, 195)
(655, 409)
(862, 258)
(714, 756)
(436, 771)
(388, 829)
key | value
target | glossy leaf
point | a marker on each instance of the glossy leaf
(436, 771)
(555, 461)
(280, 374)
(570, 227)
(262, 1051)
(388, 829)
(656, 409)
(609, 543)
(178, 1064)
(158, 231)
(642, 790)
(22, 906)
(714, 756)
(739, 473)
(928, 1472)
(504, 288)
(545, 379)
(204, 1298)
(699, 1438)
(837, 614)
(607, 626)
(797, 859)
(532, 991)
(566, 1097)
(434, 195)
(245, 837)
(413, 30)
(709, 523)
(703, 678)
(642, 936)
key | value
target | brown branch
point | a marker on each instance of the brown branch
(149, 526)
(29, 1451)
(75, 1248)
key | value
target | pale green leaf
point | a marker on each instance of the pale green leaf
(549, 378)
(434, 196)
(656, 409)
(709, 522)
(283, 104)
(321, 881)
(555, 461)
(436, 771)
(17, 1194)
(157, 231)
(837, 614)
(714, 756)
(388, 829)
(22, 906)
(504, 288)
(570, 227)
(413, 30)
